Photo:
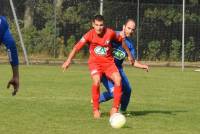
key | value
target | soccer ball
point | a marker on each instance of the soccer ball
(117, 120)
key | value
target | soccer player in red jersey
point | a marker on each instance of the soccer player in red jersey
(101, 60)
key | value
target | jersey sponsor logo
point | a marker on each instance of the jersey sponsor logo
(107, 42)
(101, 51)
(118, 54)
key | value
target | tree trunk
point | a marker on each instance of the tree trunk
(28, 14)
(59, 3)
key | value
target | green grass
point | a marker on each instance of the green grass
(164, 101)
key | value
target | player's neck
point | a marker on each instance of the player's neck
(101, 34)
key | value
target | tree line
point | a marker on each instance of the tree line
(51, 27)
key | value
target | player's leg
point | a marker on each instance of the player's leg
(96, 94)
(109, 85)
(126, 91)
(113, 73)
(116, 78)
(96, 77)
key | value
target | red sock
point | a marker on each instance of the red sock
(117, 96)
(95, 97)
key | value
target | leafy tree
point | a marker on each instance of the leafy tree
(154, 50)
(175, 50)
(28, 13)
(190, 49)
(31, 39)
(70, 43)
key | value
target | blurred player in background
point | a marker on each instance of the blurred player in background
(101, 60)
(7, 39)
(119, 56)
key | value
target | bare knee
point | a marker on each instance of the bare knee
(117, 79)
(97, 83)
(96, 80)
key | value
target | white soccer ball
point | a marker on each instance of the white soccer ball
(117, 120)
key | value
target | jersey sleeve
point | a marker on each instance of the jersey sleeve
(131, 47)
(3, 27)
(116, 36)
(85, 39)
(10, 44)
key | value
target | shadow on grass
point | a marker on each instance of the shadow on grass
(105, 114)
(132, 114)
(147, 112)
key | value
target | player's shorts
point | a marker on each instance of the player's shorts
(102, 68)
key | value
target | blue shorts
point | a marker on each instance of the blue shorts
(109, 85)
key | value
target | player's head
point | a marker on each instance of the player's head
(98, 24)
(129, 27)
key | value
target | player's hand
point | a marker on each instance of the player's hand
(146, 68)
(66, 65)
(15, 83)
(122, 33)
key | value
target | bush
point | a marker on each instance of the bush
(154, 50)
(190, 50)
(175, 50)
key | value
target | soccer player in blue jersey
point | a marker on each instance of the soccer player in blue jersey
(7, 39)
(120, 55)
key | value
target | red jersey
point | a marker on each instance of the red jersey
(100, 47)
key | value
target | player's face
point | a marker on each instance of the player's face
(98, 26)
(129, 28)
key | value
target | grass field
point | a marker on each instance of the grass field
(164, 101)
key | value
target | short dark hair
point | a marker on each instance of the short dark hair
(98, 18)
(129, 19)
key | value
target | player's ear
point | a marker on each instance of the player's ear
(93, 24)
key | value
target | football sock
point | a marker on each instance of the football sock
(117, 96)
(95, 97)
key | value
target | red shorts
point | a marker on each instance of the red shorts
(102, 68)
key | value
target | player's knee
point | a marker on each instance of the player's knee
(117, 81)
(96, 82)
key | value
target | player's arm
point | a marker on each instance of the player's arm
(136, 64)
(75, 49)
(14, 62)
(142, 66)
(130, 57)
(69, 59)
(121, 38)
(14, 80)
